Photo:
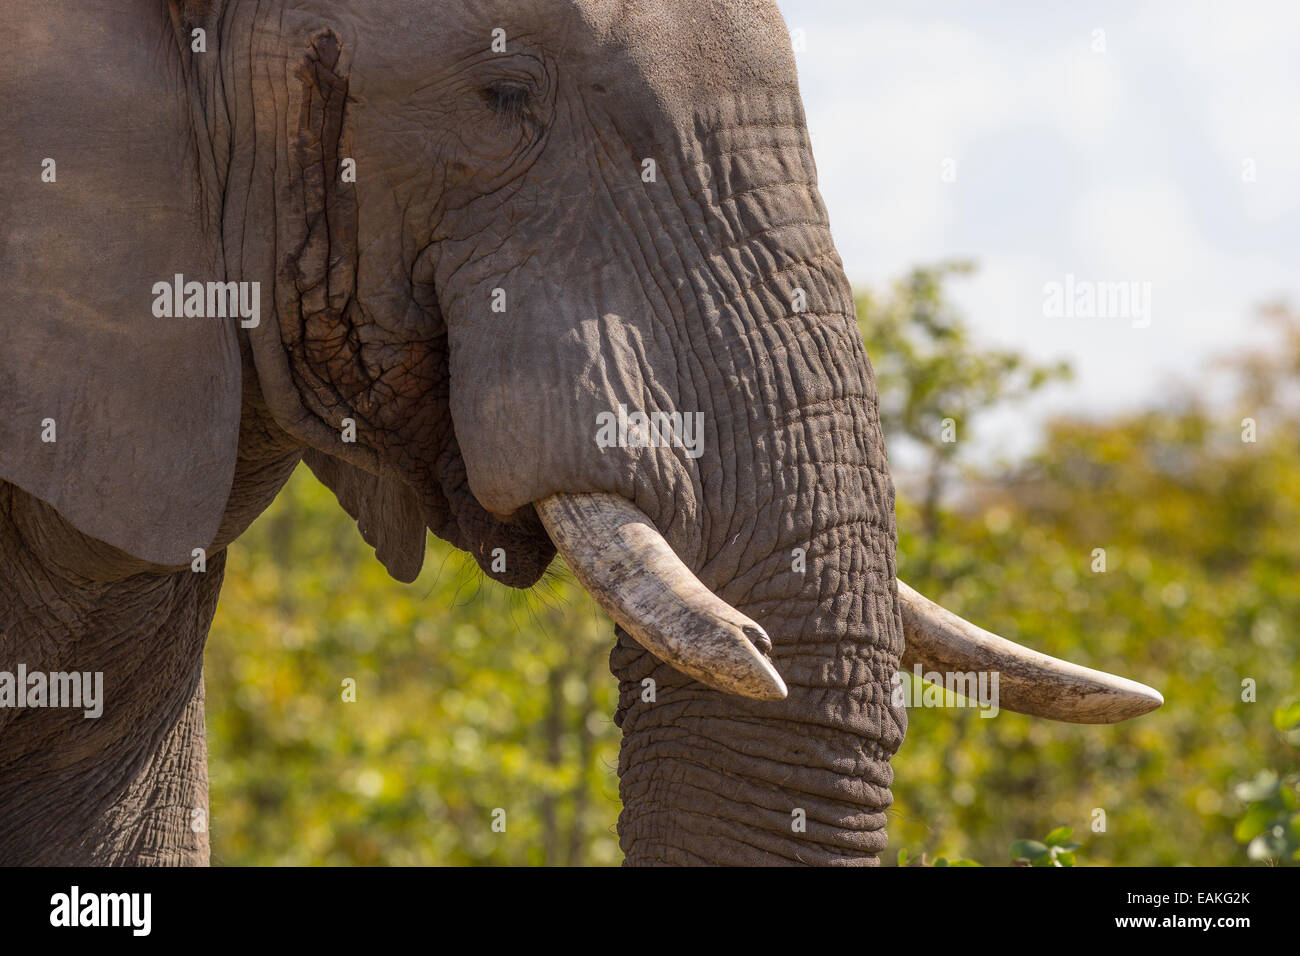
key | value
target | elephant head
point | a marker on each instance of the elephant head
(532, 276)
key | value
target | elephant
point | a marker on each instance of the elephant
(531, 275)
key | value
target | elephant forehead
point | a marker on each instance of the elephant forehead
(677, 50)
(691, 50)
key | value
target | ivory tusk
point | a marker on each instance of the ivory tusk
(1029, 682)
(628, 567)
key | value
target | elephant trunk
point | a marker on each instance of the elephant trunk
(720, 779)
(794, 536)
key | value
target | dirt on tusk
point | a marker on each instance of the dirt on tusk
(628, 567)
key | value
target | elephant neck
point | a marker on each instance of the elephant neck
(105, 759)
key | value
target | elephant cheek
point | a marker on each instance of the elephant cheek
(537, 410)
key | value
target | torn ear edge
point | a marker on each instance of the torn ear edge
(309, 246)
(312, 259)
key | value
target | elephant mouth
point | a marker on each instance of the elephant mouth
(632, 572)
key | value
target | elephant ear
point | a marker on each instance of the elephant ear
(386, 510)
(124, 421)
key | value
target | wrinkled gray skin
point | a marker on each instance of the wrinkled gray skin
(475, 171)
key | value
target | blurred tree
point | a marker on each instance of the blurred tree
(934, 381)
(1158, 544)
(1270, 823)
(469, 699)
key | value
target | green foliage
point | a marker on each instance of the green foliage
(927, 367)
(1055, 849)
(1158, 545)
(906, 859)
(1270, 824)
(934, 382)
(469, 697)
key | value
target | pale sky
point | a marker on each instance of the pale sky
(1111, 141)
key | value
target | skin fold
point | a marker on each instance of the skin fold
(500, 273)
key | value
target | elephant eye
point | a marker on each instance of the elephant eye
(509, 100)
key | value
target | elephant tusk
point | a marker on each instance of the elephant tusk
(628, 567)
(1029, 682)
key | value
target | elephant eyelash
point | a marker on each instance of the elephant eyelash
(509, 100)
